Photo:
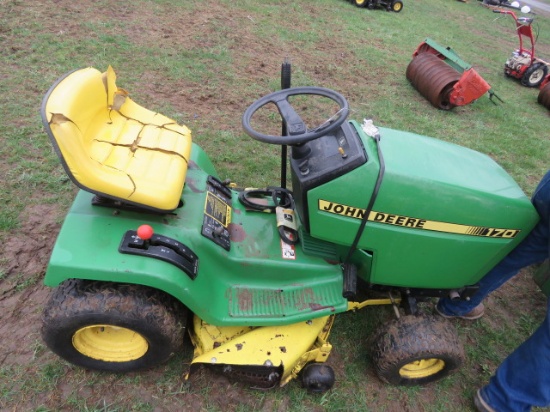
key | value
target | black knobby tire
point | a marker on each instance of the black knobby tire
(112, 327)
(415, 350)
(534, 75)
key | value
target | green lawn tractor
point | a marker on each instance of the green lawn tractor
(157, 244)
(389, 5)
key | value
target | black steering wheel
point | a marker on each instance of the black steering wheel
(297, 129)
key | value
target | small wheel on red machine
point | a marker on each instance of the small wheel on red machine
(534, 75)
(317, 377)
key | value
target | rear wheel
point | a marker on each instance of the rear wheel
(534, 75)
(397, 6)
(112, 327)
(414, 350)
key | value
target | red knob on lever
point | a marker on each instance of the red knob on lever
(145, 232)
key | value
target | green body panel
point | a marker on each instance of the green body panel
(450, 55)
(425, 179)
(254, 284)
(199, 159)
(249, 285)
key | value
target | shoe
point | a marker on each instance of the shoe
(481, 404)
(474, 314)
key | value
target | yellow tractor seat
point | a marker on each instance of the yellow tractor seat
(113, 147)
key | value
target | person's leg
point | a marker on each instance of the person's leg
(533, 249)
(522, 380)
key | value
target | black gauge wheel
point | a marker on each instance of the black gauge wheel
(317, 377)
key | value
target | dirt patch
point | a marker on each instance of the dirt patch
(28, 250)
(22, 294)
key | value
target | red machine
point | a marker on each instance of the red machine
(443, 78)
(523, 64)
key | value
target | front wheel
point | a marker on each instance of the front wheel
(414, 350)
(112, 327)
(397, 6)
(534, 75)
(360, 3)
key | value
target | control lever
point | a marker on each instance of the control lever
(144, 242)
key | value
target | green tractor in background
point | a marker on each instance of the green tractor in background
(389, 5)
(157, 243)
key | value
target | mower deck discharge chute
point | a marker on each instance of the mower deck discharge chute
(443, 78)
(156, 242)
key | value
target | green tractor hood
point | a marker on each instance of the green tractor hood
(443, 217)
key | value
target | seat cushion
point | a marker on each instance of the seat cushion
(111, 146)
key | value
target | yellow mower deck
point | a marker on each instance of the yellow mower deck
(243, 352)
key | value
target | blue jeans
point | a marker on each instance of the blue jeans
(523, 379)
(533, 249)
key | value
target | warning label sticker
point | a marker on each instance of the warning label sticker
(288, 251)
(217, 209)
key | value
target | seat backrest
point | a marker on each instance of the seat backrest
(113, 147)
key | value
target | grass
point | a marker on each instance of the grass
(203, 63)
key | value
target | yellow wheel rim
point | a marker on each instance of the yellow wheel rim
(360, 2)
(397, 7)
(110, 343)
(422, 368)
